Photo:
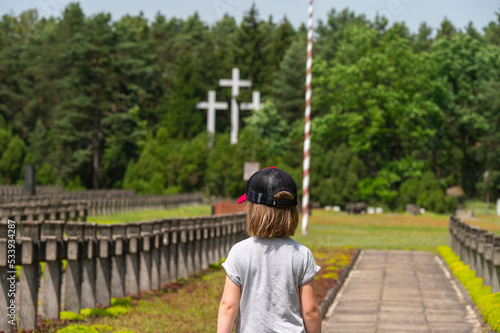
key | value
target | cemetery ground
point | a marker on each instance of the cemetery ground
(191, 305)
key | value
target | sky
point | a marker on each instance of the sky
(413, 12)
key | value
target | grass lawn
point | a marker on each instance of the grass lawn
(385, 231)
(146, 215)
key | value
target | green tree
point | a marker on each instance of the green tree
(11, 161)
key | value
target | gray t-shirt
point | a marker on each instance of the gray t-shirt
(269, 272)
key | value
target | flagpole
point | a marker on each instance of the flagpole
(307, 129)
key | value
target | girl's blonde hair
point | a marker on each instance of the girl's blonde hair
(270, 221)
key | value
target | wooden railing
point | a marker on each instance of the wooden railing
(104, 260)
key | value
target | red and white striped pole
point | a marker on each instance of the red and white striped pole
(307, 137)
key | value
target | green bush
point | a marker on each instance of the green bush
(121, 301)
(68, 315)
(86, 329)
(488, 303)
(427, 192)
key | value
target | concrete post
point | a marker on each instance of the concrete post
(190, 246)
(52, 241)
(145, 256)
(495, 283)
(29, 280)
(472, 246)
(7, 279)
(165, 252)
(488, 256)
(223, 234)
(480, 261)
(155, 255)
(182, 250)
(103, 266)
(118, 260)
(174, 239)
(217, 239)
(88, 266)
(73, 275)
(205, 233)
(132, 259)
(211, 241)
(197, 244)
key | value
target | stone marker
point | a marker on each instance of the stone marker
(132, 259)
(52, 238)
(145, 256)
(29, 279)
(103, 266)
(88, 266)
(118, 261)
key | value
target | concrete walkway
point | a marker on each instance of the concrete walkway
(400, 291)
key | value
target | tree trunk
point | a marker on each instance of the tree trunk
(95, 138)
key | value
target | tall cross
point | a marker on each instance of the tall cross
(255, 105)
(211, 105)
(235, 83)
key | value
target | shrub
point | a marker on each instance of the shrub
(488, 303)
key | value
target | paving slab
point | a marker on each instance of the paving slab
(400, 291)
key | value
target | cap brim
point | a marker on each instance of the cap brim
(243, 198)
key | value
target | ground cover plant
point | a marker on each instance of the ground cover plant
(481, 295)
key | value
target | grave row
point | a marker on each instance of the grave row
(479, 249)
(18, 190)
(8, 196)
(106, 260)
(66, 210)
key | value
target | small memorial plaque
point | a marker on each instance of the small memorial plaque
(250, 169)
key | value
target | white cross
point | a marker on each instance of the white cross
(211, 105)
(235, 83)
(255, 105)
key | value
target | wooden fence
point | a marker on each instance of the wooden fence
(105, 260)
(479, 249)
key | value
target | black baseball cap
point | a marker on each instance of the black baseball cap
(266, 183)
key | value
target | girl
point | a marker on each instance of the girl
(270, 277)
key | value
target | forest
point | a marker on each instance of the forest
(397, 116)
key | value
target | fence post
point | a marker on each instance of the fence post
(197, 244)
(205, 233)
(103, 266)
(211, 240)
(118, 247)
(217, 243)
(52, 241)
(156, 242)
(132, 259)
(145, 256)
(488, 257)
(495, 283)
(174, 240)
(88, 266)
(6, 280)
(73, 277)
(190, 253)
(29, 280)
(182, 250)
(480, 262)
(165, 252)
